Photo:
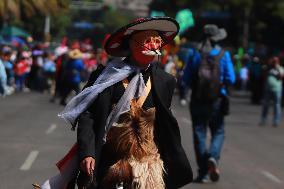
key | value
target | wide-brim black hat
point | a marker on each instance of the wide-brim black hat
(214, 32)
(117, 43)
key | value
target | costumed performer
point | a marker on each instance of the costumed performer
(127, 136)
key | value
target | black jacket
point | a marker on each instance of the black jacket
(167, 135)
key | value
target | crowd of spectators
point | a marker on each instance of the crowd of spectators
(39, 67)
(44, 69)
(251, 68)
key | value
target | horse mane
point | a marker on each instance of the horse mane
(134, 136)
(138, 163)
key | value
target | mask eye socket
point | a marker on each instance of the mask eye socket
(158, 41)
(148, 41)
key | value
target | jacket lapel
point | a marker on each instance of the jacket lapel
(159, 86)
(157, 83)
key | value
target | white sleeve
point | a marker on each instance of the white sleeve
(281, 70)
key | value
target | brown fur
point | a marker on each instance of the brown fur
(117, 173)
(135, 152)
(135, 134)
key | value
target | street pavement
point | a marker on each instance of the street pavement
(33, 139)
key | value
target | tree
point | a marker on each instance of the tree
(22, 13)
(247, 16)
(113, 19)
(17, 9)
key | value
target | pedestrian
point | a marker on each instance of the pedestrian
(49, 69)
(244, 77)
(256, 80)
(101, 57)
(72, 74)
(273, 91)
(61, 60)
(20, 70)
(6, 58)
(208, 73)
(128, 137)
(35, 74)
(170, 66)
(3, 79)
(185, 54)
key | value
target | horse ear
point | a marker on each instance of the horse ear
(151, 110)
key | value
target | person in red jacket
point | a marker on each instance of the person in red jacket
(20, 70)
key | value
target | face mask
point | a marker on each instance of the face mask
(142, 59)
(145, 47)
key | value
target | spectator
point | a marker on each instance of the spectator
(49, 71)
(20, 70)
(209, 100)
(36, 80)
(6, 58)
(273, 91)
(3, 79)
(61, 60)
(8, 87)
(72, 74)
(244, 77)
(170, 66)
(255, 80)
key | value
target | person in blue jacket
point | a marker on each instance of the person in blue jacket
(72, 74)
(209, 114)
(3, 79)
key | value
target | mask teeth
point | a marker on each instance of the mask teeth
(151, 52)
(158, 52)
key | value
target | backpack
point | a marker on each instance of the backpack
(208, 78)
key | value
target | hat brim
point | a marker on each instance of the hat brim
(75, 54)
(166, 27)
(222, 34)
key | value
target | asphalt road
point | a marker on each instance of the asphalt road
(33, 139)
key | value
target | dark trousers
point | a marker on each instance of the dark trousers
(67, 89)
(204, 117)
(20, 82)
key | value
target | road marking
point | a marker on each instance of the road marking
(29, 161)
(186, 120)
(271, 177)
(51, 129)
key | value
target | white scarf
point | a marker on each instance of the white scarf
(115, 71)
